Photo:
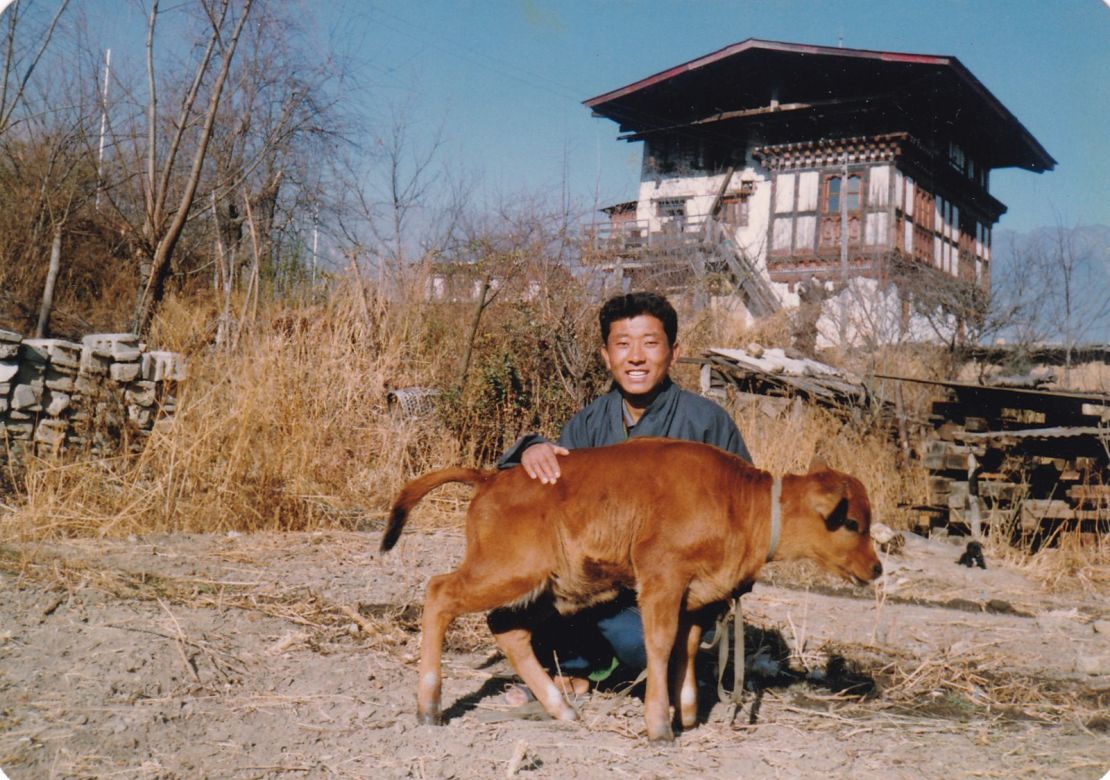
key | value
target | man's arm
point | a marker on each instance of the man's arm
(541, 461)
(540, 457)
(512, 456)
(537, 455)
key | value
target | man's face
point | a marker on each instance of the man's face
(638, 354)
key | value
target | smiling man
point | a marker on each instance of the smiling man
(639, 335)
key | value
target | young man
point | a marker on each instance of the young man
(639, 335)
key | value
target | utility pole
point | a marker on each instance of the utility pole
(315, 240)
(844, 251)
(103, 123)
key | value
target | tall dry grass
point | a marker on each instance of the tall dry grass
(787, 440)
(287, 428)
(286, 431)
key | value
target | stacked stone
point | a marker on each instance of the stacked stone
(11, 429)
(48, 372)
(97, 395)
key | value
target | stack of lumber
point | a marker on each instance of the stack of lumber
(1032, 460)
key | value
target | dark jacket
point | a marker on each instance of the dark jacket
(675, 413)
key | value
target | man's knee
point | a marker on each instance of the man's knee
(624, 631)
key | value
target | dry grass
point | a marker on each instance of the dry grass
(287, 428)
(967, 682)
(288, 431)
(1092, 377)
(1084, 377)
(1071, 561)
(786, 441)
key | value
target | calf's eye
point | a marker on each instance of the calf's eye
(852, 526)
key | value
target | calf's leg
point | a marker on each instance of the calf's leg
(516, 644)
(438, 614)
(684, 685)
(470, 588)
(660, 613)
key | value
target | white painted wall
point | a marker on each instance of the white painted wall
(873, 312)
(873, 317)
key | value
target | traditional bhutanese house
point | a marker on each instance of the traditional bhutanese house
(793, 175)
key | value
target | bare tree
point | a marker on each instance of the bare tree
(45, 175)
(1072, 271)
(21, 61)
(278, 125)
(399, 181)
(163, 223)
(226, 125)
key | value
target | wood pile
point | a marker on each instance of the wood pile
(1033, 461)
(758, 372)
(1028, 460)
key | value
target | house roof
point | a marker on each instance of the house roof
(770, 83)
(621, 208)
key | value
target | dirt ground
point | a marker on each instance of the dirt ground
(274, 656)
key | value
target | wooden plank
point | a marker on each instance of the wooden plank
(1002, 492)
(1010, 397)
(1046, 509)
(957, 494)
(976, 424)
(947, 456)
(939, 488)
(1089, 493)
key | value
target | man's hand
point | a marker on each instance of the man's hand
(540, 461)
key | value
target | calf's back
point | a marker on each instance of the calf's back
(618, 514)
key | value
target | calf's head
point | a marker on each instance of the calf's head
(837, 524)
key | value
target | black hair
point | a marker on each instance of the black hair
(624, 307)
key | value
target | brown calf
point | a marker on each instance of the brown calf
(684, 524)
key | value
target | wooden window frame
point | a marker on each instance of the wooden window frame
(828, 229)
(735, 210)
(828, 197)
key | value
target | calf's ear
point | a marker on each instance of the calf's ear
(818, 464)
(835, 519)
(832, 503)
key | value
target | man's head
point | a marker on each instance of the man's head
(639, 333)
(624, 307)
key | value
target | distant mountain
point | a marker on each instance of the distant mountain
(1094, 237)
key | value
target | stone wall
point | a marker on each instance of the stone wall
(105, 393)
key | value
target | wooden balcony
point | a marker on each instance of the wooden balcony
(634, 238)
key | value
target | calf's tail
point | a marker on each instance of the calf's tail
(416, 490)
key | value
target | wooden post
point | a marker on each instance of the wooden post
(478, 309)
(48, 288)
(973, 498)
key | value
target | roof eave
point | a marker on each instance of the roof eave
(1039, 158)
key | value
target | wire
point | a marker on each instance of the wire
(492, 64)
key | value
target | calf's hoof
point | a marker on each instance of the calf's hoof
(567, 714)
(429, 718)
(661, 736)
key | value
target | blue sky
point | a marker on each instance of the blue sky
(505, 80)
(509, 77)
